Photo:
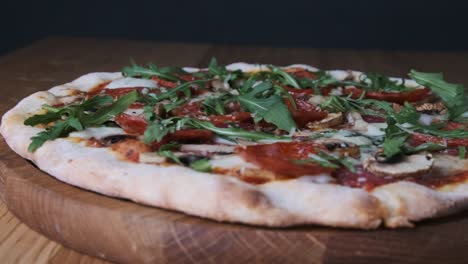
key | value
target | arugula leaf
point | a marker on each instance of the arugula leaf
(95, 102)
(323, 79)
(158, 128)
(175, 102)
(408, 120)
(461, 152)
(202, 165)
(330, 161)
(184, 88)
(320, 159)
(285, 77)
(213, 105)
(169, 146)
(423, 147)
(105, 113)
(54, 114)
(75, 117)
(215, 69)
(230, 132)
(378, 82)
(60, 129)
(152, 70)
(155, 131)
(345, 104)
(394, 140)
(170, 155)
(453, 95)
(222, 73)
(43, 119)
(270, 107)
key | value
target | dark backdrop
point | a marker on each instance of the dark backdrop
(396, 24)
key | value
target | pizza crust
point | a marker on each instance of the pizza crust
(275, 204)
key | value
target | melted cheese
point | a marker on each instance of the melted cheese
(134, 112)
(98, 132)
(375, 129)
(131, 82)
(356, 140)
(230, 162)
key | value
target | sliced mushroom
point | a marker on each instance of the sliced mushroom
(340, 147)
(206, 148)
(432, 108)
(407, 166)
(332, 119)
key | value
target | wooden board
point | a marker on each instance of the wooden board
(122, 231)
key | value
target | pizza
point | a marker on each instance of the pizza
(256, 144)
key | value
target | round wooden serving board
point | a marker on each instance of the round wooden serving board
(126, 232)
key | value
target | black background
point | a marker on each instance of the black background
(397, 24)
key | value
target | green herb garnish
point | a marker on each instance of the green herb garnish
(284, 77)
(152, 70)
(346, 104)
(453, 95)
(92, 112)
(170, 155)
(202, 165)
(262, 101)
(462, 152)
(330, 161)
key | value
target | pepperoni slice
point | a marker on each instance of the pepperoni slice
(137, 125)
(164, 83)
(305, 112)
(373, 119)
(195, 89)
(193, 109)
(280, 158)
(369, 181)
(190, 109)
(133, 124)
(224, 120)
(394, 97)
(301, 73)
(419, 138)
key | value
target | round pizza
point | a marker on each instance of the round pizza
(256, 144)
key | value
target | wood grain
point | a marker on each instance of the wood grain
(126, 232)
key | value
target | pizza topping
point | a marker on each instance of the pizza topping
(399, 97)
(453, 95)
(286, 122)
(406, 166)
(285, 158)
(206, 148)
(75, 117)
(431, 108)
(264, 102)
(98, 132)
(130, 83)
(332, 120)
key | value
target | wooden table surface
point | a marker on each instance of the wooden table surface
(58, 60)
